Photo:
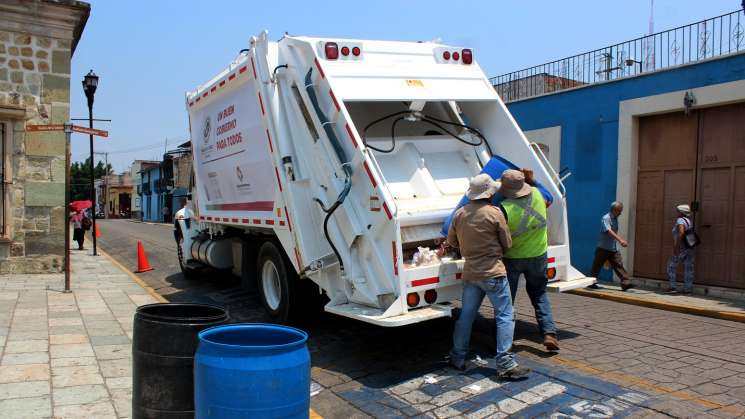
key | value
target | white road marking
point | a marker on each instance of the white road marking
(519, 401)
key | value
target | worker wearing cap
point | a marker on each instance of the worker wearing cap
(525, 210)
(681, 253)
(480, 231)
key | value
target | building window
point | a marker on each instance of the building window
(546, 150)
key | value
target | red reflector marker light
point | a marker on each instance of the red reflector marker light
(345, 51)
(356, 51)
(430, 296)
(332, 50)
(412, 299)
(456, 56)
(467, 56)
(446, 55)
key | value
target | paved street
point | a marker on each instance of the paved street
(616, 360)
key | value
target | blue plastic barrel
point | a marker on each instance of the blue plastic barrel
(252, 371)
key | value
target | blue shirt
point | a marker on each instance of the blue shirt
(685, 222)
(605, 241)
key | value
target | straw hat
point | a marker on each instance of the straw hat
(684, 209)
(482, 187)
(513, 184)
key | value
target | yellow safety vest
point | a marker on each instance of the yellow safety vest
(526, 218)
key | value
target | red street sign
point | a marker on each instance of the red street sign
(51, 127)
(84, 130)
(61, 127)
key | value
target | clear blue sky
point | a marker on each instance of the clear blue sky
(148, 53)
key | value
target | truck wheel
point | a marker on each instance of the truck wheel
(186, 271)
(276, 282)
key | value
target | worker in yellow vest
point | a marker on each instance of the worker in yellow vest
(525, 210)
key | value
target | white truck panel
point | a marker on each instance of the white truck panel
(231, 157)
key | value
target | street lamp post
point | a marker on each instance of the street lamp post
(90, 83)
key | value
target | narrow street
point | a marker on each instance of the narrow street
(616, 360)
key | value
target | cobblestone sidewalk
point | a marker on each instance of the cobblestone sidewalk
(68, 355)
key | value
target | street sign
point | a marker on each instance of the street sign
(50, 127)
(84, 130)
(61, 127)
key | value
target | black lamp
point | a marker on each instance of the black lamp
(90, 83)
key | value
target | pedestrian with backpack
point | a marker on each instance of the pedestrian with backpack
(684, 242)
(80, 223)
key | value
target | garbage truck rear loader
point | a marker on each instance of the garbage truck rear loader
(332, 164)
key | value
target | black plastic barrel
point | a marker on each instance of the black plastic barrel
(163, 346)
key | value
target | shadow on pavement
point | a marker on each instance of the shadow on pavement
(372, 356)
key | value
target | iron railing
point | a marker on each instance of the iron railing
(698, 41)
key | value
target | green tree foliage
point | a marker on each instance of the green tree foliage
(80, 178)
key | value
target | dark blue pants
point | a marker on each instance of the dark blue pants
(534, 270)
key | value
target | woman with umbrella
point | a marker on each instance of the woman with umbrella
(80, 221)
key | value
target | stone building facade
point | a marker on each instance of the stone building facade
(37, 40)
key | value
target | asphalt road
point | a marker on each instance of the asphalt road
(616, 360)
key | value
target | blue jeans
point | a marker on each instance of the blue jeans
(498, 292)
(685, 256)
(534, 270)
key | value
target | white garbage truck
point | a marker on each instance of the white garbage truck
(328, 166)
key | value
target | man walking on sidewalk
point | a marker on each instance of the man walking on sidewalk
(681, 252)
(607, 250)
(526, 216)
(480, 231)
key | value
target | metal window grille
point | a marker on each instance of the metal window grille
(718, 36)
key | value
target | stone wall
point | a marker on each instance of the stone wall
(182, 171)
(35, 81)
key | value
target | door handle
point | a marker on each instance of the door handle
(706, 226)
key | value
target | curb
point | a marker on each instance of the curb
(134, 277)
(152, 223)
(680, 308)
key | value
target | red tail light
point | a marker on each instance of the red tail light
(412, 299)
(356, 51)
(550, 273)
(467, 56)
(345, 51)
(430, 296)
(446, 55)
(332, 50)
(456, 56)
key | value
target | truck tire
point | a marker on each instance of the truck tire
(277, 283)
(187, 272)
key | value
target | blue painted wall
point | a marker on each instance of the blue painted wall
(589, 129)
(151, 204)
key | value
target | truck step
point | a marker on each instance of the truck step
(194, 265)
(572, 284)
(375, 315)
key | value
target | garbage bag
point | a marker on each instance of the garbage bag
(494, 168)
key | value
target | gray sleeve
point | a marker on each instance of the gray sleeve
(605, 225)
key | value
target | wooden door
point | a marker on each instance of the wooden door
(666, 178)
(721, 194)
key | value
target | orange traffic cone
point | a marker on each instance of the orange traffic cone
(98, 232)
(142, 264)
